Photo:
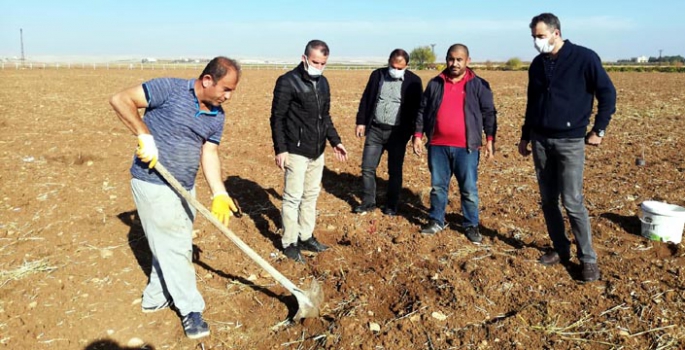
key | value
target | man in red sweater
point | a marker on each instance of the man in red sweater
(456, 108)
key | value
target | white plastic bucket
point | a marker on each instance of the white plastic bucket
(662, 221)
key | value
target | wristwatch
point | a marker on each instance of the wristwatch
(599, 132)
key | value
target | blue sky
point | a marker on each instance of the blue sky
(494, 30)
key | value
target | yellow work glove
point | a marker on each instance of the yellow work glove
(147, 150)
(223, 207)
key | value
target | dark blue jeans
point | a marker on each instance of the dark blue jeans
(443, 162)
(559, 165)
(377, 141)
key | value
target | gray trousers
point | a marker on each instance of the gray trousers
(302, 187)
(168, 224)
(559, 165)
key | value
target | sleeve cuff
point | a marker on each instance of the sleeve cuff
(490, 138)
(418, 135)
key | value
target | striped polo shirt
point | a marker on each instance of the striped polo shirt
(180, 129)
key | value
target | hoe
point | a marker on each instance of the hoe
(308, 301)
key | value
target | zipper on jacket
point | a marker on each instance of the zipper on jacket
(318, 110)
(299, 138)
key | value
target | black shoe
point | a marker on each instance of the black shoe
(313, 245)
(431, 228)
(552, 258)
(590, 272)
(389, 211)
(364, 208)
(473, 234)
(293, 252)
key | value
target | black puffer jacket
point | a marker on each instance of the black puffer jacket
(300, 118)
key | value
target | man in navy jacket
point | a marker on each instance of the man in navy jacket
(387, 116)
(564, 79)
(456, 108)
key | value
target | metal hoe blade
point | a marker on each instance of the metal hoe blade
(309, 301)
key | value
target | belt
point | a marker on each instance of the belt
(384, 126)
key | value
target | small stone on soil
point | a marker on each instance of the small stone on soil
(135, 343)
(439, 316)
(374, 327)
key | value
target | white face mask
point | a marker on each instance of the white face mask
(396, 73)
(543, 45)
(313, 71)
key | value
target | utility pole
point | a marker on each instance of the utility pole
(660, 56)
(21, 39)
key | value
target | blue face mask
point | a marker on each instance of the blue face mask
(396, 73)
(313, 71)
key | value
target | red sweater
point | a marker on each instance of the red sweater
(450, 125)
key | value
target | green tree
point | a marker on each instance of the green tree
(422, 56)
(513, 64)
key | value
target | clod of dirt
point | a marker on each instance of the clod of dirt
(106, 253)
(399, 239)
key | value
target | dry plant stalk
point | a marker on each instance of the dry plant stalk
(26, 269)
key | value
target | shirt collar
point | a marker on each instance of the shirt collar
(213, 112)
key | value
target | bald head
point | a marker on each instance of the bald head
(457, 61)
(457, 48)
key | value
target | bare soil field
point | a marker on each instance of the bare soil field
(74, 259)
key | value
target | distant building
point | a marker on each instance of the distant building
(149, 60)
(640, 59)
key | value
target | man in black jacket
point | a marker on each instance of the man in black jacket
(456, 108)
(563, 82)
(300, 126)
(387, 116)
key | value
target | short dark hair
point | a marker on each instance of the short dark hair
(399, 53)
(219, 66)
(547, 18)
(316, 45)
(456, 47)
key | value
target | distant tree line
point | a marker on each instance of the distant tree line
(423, 57)
(673, 60)
(667, 59)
